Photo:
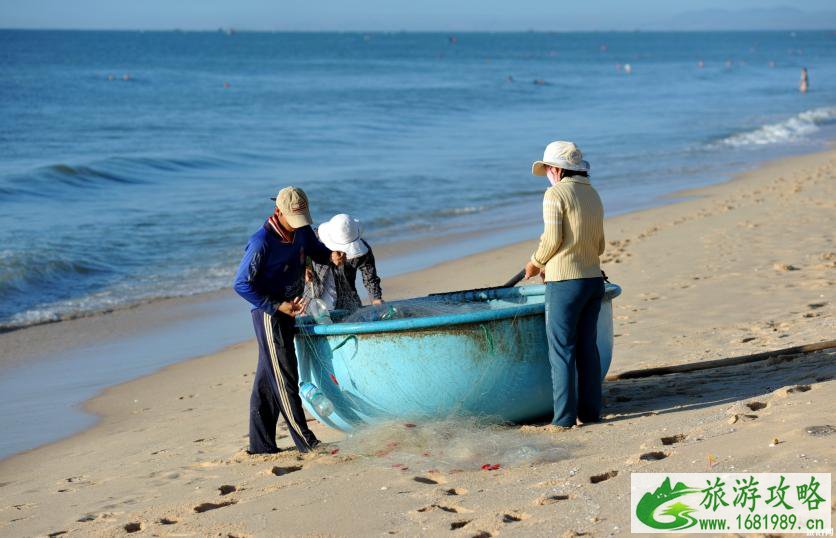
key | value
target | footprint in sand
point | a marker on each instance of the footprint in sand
(514, 517)
(76, 481)
(133, 527)
(551, 499)
(459, 524)
(785, 267)
(227, 489)
(443, 508)
(425, 480)
(281, 471)
(798, 388)
(653, 456)
(595, 479)
(167, 521)
(756, 406)
(742, 418)
(205, 507)
(673, 439)
(820, 431)
(455, 491)
(56, 533)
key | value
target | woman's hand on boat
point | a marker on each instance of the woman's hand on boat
(377, 301)
(293, 308)
(531, 270)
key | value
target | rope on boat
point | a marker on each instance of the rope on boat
(488, 337)
(344, 342)
(722, 363)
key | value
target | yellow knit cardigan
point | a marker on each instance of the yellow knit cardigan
(573, 235)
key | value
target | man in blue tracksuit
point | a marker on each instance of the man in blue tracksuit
(271, 278)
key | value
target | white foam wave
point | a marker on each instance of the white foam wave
(789, 130)
(456, 211)
(191, 282)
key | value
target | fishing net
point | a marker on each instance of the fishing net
(459, 443)
(413, 308)
(453, 438)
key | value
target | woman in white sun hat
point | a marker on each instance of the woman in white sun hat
(336, 286)
(568, 258)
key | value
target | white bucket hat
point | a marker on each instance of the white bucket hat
(561, 154)
(343, 234)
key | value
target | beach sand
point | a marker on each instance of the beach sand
(738, 268)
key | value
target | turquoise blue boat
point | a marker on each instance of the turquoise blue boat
(487, 359)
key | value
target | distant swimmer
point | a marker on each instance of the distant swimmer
(728, 64)
(453, 39)
(510, 78)
(772, 64)
(227, 85)
(604, 48)
(539, 82)
(700, 64)
(126, 77)
(805, 81)
(111, 77)
(628, 68)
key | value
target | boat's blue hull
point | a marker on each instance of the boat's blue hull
(490, 363)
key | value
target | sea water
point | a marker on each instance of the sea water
(135, 165)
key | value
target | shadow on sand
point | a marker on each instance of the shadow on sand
(629, 398)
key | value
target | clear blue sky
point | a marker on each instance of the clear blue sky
(444, 15)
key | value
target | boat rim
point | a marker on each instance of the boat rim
(306, 326)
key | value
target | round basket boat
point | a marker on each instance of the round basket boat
(488, 360)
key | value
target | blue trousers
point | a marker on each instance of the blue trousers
(572, 308)
(276, 386)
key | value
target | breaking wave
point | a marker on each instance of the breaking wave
(795, 128)
(37, 291)
(44, 180)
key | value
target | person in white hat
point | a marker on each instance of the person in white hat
(336, 285)
(568, 258)
(270, 278)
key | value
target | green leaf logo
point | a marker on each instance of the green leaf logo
(680, 512)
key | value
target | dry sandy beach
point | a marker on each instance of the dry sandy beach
(738, 268)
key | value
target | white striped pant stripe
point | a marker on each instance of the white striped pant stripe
(277, 372)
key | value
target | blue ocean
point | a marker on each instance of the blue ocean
(134, 165)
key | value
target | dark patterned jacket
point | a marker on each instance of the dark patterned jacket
(345, 278)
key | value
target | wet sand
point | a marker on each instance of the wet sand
(739, 268)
